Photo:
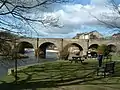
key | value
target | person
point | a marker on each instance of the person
(100, 57)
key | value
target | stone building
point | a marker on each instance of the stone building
(116, 36)
(89, 35)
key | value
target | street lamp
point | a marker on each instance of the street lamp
(15, 59)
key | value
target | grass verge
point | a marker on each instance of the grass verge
(62, 74)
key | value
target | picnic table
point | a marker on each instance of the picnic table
(76, 59)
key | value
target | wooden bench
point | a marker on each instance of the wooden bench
(76, 59)
(108, 68)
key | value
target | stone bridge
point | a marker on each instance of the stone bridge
(40, 44)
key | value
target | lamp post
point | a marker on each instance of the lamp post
(15, 59)
(37, 51)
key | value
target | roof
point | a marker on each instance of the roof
(116, 34)
(88, 33)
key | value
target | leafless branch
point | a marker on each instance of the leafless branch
(17, 9)
(105, 19)
(13, 15)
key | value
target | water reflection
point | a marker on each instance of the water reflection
(51, 54)
(6, 64)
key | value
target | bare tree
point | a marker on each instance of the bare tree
(16, 14)
(112, 19)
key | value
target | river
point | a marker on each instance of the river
(7, 64)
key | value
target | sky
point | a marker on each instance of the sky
(77, 16)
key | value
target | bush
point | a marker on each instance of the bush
(103, 49)
(64, 53)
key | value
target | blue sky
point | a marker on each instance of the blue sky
(83, 2)
(74, 17)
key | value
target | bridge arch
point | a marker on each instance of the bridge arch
(92, 50)
(72, 45)
(112, 48)
(23, 46)
(93, 46)
(71, 49)
(46, 47)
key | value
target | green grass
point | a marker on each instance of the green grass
(114, 57)
(62, 75)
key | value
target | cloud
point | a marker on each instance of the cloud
(74, 18)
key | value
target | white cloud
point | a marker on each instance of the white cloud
(79, 14)
(74, 17)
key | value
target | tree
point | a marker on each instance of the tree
(18, 16)
(103, 49)
(5, 38)
(21, 14)
(110, 20)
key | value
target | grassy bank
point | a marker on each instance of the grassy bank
(62, 75)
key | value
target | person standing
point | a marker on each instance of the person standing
(100, 57)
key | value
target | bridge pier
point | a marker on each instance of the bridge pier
(85, 52)
(40, 53)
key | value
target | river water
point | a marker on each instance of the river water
(7, 64)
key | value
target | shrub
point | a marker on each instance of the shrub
(103, 49)
(64, 53)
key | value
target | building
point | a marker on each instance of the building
(89, 35)
(116, 36)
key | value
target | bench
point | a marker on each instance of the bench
(108, 68)
(76, 59)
